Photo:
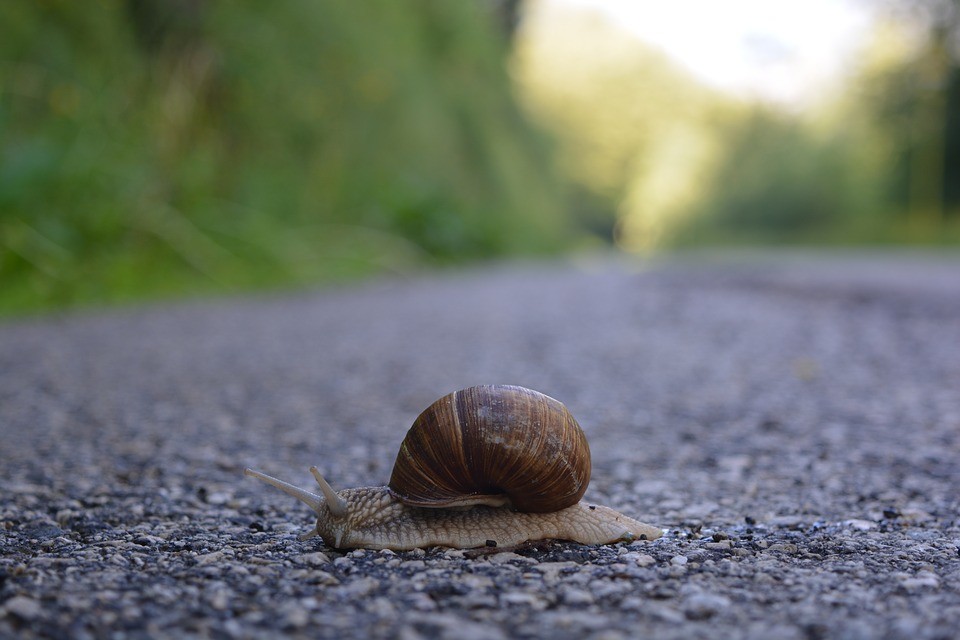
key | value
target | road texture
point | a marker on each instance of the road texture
(791, 421)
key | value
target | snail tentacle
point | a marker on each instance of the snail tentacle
(335, 503)
(312, 500)
(313, 533)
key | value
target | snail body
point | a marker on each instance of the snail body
(484, 466)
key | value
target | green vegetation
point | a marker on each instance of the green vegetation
(666, 162)
(153, 148)
(877, 164)
(779, 181)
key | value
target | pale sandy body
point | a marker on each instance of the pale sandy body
(373, 518)
(379, 521)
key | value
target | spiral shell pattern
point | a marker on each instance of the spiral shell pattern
(485, 444)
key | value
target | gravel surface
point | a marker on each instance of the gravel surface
(793, 422)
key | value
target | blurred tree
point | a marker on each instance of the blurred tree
(781, 181)
(508, 14)
(634, 129)
(916, 102)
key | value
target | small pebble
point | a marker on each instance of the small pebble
(23, 607)
(723, 544)
(421, 602)
(701, 606)
(641, 559)
(314, 559)
(507, 556)
(922, 580)
(576, 597)
(783, 547)
(523, 599)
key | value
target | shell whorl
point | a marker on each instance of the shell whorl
(489, 444)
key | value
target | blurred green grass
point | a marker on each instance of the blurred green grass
(168, 148)
(155, 148)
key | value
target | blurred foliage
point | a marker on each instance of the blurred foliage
(914, 99)
(632, 128)
(778, 181)
(161, 147)
(668, 162)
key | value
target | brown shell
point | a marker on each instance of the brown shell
(477, 445)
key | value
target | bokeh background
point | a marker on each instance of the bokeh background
(152, 149)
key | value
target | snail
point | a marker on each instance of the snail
(484, 466)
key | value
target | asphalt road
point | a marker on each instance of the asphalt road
(791, 421)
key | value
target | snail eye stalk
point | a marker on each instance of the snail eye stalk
(336, 504)
(312, 500)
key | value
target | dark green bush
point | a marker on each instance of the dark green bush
(167, 147)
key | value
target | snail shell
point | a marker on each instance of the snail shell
(493, 445)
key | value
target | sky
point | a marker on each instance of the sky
(779, 51)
